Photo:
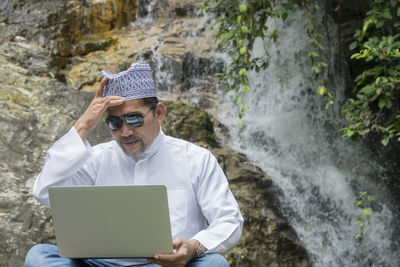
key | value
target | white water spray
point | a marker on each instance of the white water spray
(288, 133)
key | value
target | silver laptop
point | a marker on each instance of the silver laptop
(111, 221)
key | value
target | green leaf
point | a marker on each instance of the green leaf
(321, 90)
(309, 26)
(385, 141)
(350, 132)
(380, 24)
(398, 12)
(315, 70)
(245, 89)
(367, 211)
(365, 131)
(360, 223)
(353, 45)
(242, 72)
(313, 54)
(285, 15)
(388, 103)
(387, 14)
(242, 8)
(368, 90)
(382, 102)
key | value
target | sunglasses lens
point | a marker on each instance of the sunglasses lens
(134, 119)
(115, 123)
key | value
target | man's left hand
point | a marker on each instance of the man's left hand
(185, 251)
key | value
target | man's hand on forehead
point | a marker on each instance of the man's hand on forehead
(113, 100)
(91, 117)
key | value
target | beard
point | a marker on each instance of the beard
(132, 145)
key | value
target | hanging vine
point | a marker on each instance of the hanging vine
(376, 102)
(319, 66)
(238, 25)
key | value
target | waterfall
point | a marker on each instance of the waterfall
(145, 12)
(289, 134)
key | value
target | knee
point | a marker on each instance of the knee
(215, 259)
(221, 261)
(37, 254)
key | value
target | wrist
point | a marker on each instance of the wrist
(81, 129)
(200, 249)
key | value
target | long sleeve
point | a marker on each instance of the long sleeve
(219, 207)
(67, 164)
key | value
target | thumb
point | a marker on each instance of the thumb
(177, 243)
(99, 92)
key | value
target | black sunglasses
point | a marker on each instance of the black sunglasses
(134, 119)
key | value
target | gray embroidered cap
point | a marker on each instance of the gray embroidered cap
(133, 83)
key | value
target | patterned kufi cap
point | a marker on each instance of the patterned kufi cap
(133, 83)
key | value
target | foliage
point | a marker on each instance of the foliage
(362, 203)
(375, 107)
(239, 24)
(319, 66)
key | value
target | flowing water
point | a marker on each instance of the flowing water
(288, 133)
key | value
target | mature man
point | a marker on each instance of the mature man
(205, 217)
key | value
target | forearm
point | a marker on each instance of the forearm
(220, 208)
(63, 166)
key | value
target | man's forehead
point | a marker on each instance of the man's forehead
(127, 107)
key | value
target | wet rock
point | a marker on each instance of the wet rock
(42, 109)
(59, 26)
(28, 55)
(168, 8)
(40, 101)
(91, 42)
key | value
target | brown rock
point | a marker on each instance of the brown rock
(37, 109)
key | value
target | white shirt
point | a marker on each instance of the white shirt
(202, 207)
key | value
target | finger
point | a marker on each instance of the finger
(177, 243)
(117, 102)
(166, 262)
(113, 97)
(166, 257)
(99, 92)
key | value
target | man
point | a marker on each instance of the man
(205, 218)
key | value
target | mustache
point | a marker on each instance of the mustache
(130, 138)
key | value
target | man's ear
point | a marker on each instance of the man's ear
(160, 112)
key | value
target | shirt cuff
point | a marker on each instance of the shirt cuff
(72, 137)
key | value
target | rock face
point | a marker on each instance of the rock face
(39, 102)
(62, 26)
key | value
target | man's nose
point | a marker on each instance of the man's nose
(127, 130)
